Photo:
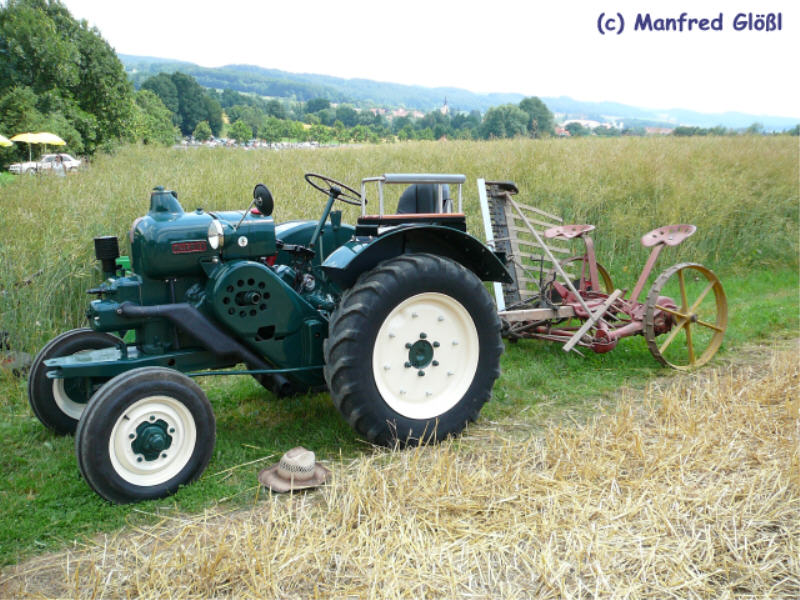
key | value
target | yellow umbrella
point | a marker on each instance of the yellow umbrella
(4, 141)
(44, 137)
(29, 138)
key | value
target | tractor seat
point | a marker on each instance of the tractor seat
(420, 198)
(671, 235)
(567, 232)
(417, 206)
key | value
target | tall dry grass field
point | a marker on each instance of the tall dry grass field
(741, 192)
(690, 492)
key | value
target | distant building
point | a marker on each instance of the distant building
(589, 124)
(658, 130)
(444, 109)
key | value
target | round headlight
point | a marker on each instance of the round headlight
(216, 234)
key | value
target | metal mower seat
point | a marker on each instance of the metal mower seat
(420, 198)
(567, 232)
(671, 235)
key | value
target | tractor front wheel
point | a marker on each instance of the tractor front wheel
(59, 403)
(145, 433)
(414, 350)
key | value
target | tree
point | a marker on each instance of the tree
(346, 114)
(540, 119)
(191, 102)
(317, 104)
(202, 132)
(153, 120)
(577, 130)
(755, 129)
(213, 114)
(276, 109)
(271, 130)
(163, 87)
(240, 131)
(406, 133)
(503, 121)
(606, 131)
(322, 134)
(77, 79)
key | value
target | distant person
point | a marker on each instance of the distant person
(58, 167)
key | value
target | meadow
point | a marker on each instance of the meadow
(741, 192)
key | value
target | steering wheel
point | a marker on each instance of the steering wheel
(328, 186)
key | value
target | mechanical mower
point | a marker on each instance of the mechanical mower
(390, 314)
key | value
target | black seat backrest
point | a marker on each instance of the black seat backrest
(421, 198)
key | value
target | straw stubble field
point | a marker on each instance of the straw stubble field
(690, 490)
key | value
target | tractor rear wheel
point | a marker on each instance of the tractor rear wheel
(414, 350)
(145, 433)
(59, 403)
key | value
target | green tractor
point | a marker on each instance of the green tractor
(390, 315)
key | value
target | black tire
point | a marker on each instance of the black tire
(386, 302)
(170, 419)
(57, 403)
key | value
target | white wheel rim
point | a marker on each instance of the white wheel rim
(67, 405)
(447, 327)
(133, 467)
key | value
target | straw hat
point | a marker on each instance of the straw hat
(297, 470)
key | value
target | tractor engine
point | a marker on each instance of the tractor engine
(206, 281)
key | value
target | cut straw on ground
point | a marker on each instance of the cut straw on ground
(690, 492)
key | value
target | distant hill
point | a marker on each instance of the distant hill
(366, 93)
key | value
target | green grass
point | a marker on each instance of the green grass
(44, 504)
(741, 192)
(6, 178)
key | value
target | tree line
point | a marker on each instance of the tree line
(272, 120)
(58, 74)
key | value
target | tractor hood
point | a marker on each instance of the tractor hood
(168, 242)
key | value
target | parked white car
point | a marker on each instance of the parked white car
(45, 164)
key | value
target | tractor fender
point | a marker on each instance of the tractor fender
(361, 254)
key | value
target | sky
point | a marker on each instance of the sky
(529, 47)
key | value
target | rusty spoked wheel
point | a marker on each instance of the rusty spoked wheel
(685, 317)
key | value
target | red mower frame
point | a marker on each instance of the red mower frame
(683, 318)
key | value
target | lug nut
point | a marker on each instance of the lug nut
(435, 363)
(436, 344)
(423, 335)
(421, 373)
